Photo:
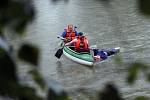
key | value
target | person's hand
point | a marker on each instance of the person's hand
(67, 40)
(97, 58)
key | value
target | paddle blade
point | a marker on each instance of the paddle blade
(59, 53)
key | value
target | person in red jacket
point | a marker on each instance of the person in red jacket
(80, 43)
(69, 33)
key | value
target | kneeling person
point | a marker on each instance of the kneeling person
(80, 43)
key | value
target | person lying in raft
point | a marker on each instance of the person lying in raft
(69, 33)
(102, 54)
(80, 43)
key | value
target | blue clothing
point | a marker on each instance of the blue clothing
(104, 53)
(101, 53)
(64, 34)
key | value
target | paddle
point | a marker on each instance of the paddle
(59, 52)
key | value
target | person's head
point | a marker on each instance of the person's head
(95, 51)
(80, 33)
(70, 27)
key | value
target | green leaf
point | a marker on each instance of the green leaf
(148, 77)
(56, 91)
(110, 92)
(29, 54)
(7, 73)
(144, 7)
(141, 98)
(20, 27)
(2, 52)
(37, 78)
(14, 90)
(27, 93)
(22, 13)
(16, 14)
(132, 73)
(7, 67)
(53, 96)
(1, 29)
(118, 60)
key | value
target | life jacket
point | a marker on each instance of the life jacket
(70, 35)
(81, 45)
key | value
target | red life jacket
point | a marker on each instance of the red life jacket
(70, 35)
(81, 45)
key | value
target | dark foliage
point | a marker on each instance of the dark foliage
(110, 93)
(141, 98)
(26, 93)
(133, 70)
(7, 72)
(29, 53)
(16, 14)
(3, 4)
(53, 95)
(37, 78)
(144, 7)
(55, 1)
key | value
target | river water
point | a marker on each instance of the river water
(106, 25)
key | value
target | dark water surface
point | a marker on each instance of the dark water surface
(106, 25)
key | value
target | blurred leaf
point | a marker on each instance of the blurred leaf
(56, 91)
(9, 88)
(20, 27)
(110, 93)
(1, 30)
(7, 67)
(54, 1)
(16, 14)
(118, 60)
(144, 6)
(37, 78)
(7, 73)
(2, 52)
(53, 96)
(3, 3)
(141, 98)
(141, 65)
(27, 93)
(19, 92)
(29, 53)
(23, 12)
(132, 73)
(148, 77)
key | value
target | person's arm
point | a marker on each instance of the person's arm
(63, 34)
(76, 33)
(88, 44)
(71, 42)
